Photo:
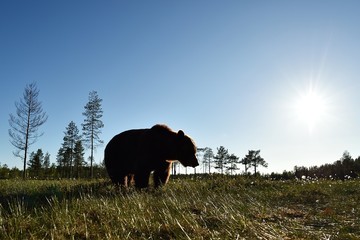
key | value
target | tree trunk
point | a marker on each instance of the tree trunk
(26, 142)
(25, 156)
(92, 154)
(209, 165)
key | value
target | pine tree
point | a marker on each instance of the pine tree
(247, 160)
(253, 159)
(92, 125)
(46, 164)
(25, 124)
(258, 161)
(60, 161)
(35, 163)
(232, 162)
(70, 139)
(221, 158)
(78, 158)
(47, 160)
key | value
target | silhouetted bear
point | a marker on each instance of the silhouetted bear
(134, 154)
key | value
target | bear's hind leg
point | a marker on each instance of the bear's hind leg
(142, 179)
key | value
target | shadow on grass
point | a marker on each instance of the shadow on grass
(61, 191)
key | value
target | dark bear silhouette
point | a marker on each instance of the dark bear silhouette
(134, 154)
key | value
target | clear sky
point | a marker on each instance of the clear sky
(279, 76)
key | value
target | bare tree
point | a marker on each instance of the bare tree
(92, 125)
(24, 125)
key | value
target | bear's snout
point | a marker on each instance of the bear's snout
(195, 165)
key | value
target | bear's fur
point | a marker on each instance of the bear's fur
(134, 154)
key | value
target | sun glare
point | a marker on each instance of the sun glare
(311, 108)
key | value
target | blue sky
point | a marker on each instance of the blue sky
(228, 73)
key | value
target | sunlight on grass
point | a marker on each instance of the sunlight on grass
(214, 207)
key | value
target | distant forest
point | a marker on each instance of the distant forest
(39, 167)
(344, 168)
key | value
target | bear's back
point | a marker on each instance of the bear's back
(127, 140)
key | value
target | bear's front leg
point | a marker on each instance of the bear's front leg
(119, 179)
(130, 180)
(161, 174)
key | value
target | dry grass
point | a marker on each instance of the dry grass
(202, 207)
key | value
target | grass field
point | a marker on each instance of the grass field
(192, 207)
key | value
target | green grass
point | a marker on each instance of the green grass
(212, 207)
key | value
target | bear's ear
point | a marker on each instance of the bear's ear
(181, 133)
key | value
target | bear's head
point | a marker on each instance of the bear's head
(186, 150)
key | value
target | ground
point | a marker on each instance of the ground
(189, 207)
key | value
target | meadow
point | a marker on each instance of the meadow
(188, 207)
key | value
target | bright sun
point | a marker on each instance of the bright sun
(311, 108)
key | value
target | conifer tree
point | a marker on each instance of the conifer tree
(221, 158)
(92, 125)
(258, 161)
(36, 162)
(61, 162)
(253, 159)
(78, 158)
(46, 164)
(246, 161)
(70, 139)
(232, 162)
(47, 160)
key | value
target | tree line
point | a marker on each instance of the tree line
(346, 167)
(225, 163)
(70, 161)
(23, 132)
(39, 167)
